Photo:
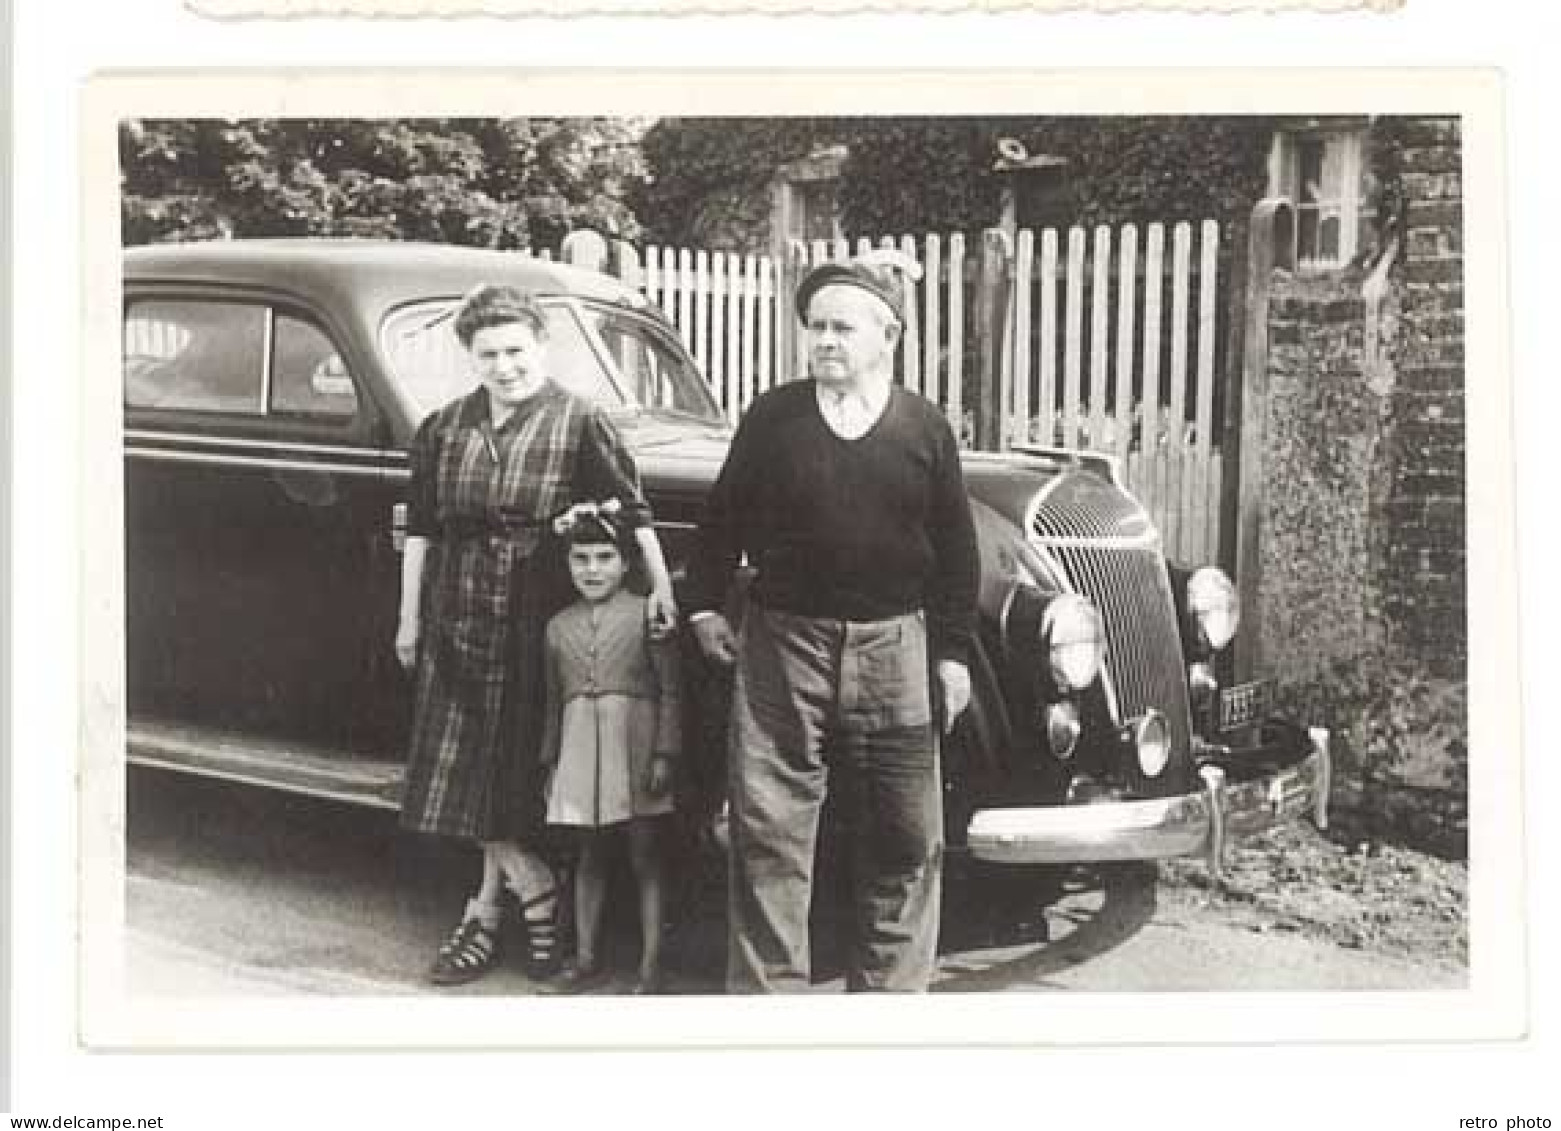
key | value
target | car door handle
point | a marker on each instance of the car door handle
(308, 488)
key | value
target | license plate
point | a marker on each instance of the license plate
(1244, 704)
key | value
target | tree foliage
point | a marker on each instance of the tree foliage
(507, 183)
(919, 174)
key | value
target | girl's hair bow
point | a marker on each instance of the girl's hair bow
(604, 513)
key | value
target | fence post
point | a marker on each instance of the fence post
(626, 264)
(791, 347)
(584, 248)
(785, 330)
(992, 323)
(1270, 244)
(1236, 273)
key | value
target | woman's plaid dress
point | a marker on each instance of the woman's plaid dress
(481, 496)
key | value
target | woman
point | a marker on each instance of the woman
(478, 586)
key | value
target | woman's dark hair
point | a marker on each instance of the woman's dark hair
(496, 306)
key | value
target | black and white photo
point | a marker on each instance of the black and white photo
(1114, 465)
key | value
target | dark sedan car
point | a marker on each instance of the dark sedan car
(271, 388)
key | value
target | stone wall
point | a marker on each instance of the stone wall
(1325, 419)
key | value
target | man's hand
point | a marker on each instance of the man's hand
(406, 643)
(661, 613)
(954, 679)
(716, 639)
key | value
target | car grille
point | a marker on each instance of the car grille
(1105, 545)
(1086, 506)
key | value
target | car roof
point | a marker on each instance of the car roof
(375, 273)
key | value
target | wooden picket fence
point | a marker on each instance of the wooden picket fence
(1105, 339)
(1119, 355)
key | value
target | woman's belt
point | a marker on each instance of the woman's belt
(500, 526)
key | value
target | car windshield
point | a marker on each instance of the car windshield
(610, 357)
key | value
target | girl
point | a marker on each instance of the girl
(611, 736)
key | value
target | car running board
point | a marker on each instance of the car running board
(360, 779)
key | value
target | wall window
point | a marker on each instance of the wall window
(807, 198)
(1320, 172)
(816, 210)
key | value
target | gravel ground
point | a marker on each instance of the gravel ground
(1376, 897)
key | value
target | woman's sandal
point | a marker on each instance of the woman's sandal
(469, 953)
(543, 945)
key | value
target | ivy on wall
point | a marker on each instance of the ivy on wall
(1387, 199)
(919, 174)
(707, 180)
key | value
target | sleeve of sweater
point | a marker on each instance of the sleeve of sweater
(951, 604)
(720, 541)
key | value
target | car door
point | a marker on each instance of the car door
(260, 571)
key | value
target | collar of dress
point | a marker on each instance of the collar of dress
(475, 412)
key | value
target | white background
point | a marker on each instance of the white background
(1348, 1086)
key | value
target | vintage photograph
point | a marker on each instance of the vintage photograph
(685, 557)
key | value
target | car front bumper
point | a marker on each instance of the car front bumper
(1164, 827)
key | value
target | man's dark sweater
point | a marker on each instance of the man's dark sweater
(855, 530)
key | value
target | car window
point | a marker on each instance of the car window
(308, 375)
(198, 355)
(432, 367)
(206, 356)
(656, 376)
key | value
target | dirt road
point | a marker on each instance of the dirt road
(238, 891)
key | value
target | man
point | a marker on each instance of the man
(845, 494)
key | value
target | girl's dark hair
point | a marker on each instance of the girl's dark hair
(594, 530)
(496, 306)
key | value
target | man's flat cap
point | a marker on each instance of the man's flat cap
(878, 281)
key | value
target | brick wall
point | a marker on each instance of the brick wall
(1423, 568)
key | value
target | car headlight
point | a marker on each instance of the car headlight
(1214, 606)
(1062, 630)
(1075, 641)
(1152, 741)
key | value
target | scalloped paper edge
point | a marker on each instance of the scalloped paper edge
(413, 9)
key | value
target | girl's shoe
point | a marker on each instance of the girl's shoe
(470, 952)
(580, 978)
(650, 983)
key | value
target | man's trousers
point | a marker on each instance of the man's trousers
(840, 707)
